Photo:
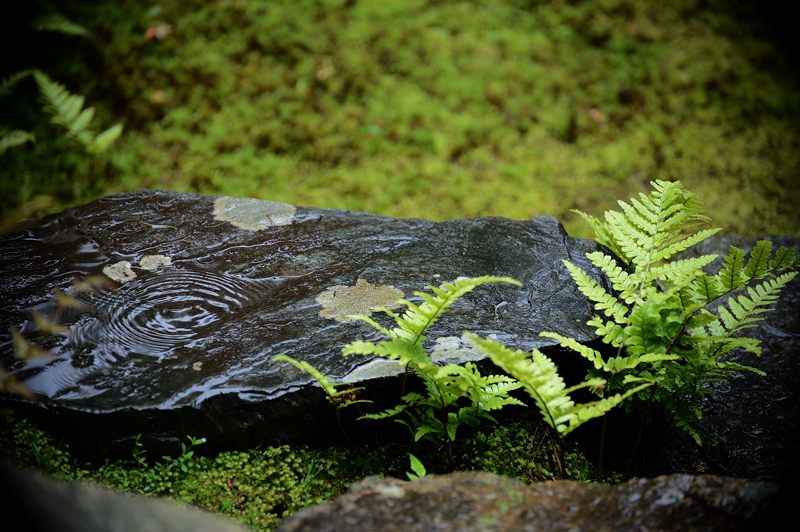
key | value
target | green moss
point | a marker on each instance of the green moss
(443, 110)
(260, 487)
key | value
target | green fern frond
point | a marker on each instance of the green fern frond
(389, 412)
(758, 263)
(687, 425)
(103, 140)
(394, 349)
(588, 353)
(784, 258)
(10, 138)
(58, 23)
(682, 245)
(652, 228)
(340, 398)
(680, 268)
(653, 324)
(602, 300)
(417, 319)
(618, 364)
(705, 288)
(8, 84)
(67, 110)
(624, 283)
(743, 367)
(611, 332)
(743, 312)
(405, 340)
(731, 276)
(601, 235)
(372, 323)
(539, 377)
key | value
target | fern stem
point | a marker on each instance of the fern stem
(601, 460)
(341, 425)
(635, 448)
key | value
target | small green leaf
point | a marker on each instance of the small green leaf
(417, 467)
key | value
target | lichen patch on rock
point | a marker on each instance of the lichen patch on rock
(340, 301)
(120, 272)
(153, 262)
(455, 349)
(253, 214)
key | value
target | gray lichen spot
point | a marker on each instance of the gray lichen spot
(339, 301)
(120, 271)
(153, 262)
(393, 492)
(455, 349)
(253, 214)
(374, 369)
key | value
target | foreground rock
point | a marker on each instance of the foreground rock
(208, 290)
(485, 502)
(41, 503)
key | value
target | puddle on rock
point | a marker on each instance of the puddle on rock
(152, 315)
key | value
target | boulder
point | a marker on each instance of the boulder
(206, 290)
(39, 502)
(476, 501)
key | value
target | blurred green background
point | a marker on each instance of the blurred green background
(433, 109)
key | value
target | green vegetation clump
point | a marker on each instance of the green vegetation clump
(406, 108)
(262, 486)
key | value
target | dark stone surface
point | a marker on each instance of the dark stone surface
(474, 501)
(186, 348)
(35, 502)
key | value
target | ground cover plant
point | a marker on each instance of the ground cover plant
(406, 108)
(262, 486)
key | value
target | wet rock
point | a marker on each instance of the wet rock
(41, 503)
(468, 501)
(210, 289)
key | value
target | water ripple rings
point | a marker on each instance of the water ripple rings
(156, 313)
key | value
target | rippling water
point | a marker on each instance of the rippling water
(152, 315)
(157, 312)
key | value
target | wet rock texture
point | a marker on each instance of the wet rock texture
(474, 501)
(206, 290)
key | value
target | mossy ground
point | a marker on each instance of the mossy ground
(420, 109)
(260, 487)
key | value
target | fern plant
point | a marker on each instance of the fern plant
(65, 109)
(670, 322)
(539, 377)
(453, 395)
